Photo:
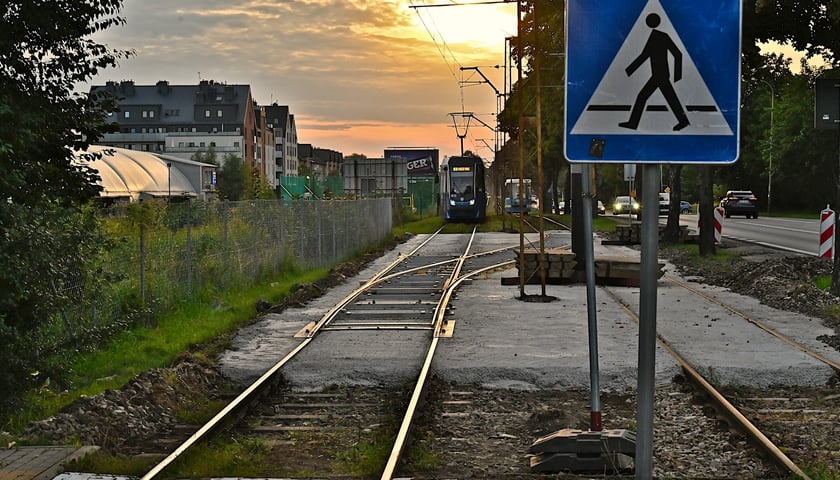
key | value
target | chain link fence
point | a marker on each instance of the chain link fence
(166, 254)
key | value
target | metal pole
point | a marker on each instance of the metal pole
(770, 167)
(540, 189)
(521, 148)
(647, 323)
(595, 423)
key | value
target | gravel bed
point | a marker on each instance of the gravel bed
(688, 442)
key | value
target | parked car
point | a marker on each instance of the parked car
(601, 208)
(625, 204)
(739, 202)
(685, 207)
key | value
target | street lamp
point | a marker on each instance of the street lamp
(770, 166)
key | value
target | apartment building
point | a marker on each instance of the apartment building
(322, 162)
(282, 122)
(182, 120)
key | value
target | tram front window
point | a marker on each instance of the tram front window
(462, 188)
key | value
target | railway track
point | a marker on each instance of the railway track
(329, 432)
(411, 294)
(789, 430)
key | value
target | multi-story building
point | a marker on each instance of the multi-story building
(322, 162)
(264, 144)
(285, 140)
(182, 120)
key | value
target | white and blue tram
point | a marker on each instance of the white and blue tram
(463, 190)
(514, 194)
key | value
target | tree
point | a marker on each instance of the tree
(233, 178)
(206, 157)
(47, 237)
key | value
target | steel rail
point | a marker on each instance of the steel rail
(246, 396)
(831, 363)
(419, 387)
(265, 380)
(373, 281)
(725, 406)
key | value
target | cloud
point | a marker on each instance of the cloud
(361, 62)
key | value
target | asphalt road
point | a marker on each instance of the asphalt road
(798, 235)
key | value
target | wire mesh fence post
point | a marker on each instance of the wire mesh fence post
(142, 265)
(226, 242)
(318, 220)
(189, 247)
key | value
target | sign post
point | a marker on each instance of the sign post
(652, 82)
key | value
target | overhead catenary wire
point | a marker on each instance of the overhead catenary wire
(446, 53)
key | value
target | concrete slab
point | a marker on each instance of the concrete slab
(500, 341)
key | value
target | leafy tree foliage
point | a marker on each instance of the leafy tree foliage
(206, 157)
(801, 176)
(234, 179)
(46, 236)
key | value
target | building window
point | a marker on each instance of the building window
(192, 144)
(235, 144)
(219, 113)
(151, 114)
(144, 114)
(201, 144)
(207, 114)
(212, 144)
(127, 114)
(181, 144)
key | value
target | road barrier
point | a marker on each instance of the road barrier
(719, 212)
(826, 233)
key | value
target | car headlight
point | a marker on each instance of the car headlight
(451, 202)
(472, 202)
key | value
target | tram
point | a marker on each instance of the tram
(512, 197)
(464, 192)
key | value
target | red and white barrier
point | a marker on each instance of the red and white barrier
(826, 233)
(718, 223)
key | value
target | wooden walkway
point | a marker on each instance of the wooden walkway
(37, 463)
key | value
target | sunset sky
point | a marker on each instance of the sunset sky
(360, 76)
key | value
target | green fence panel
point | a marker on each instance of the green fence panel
(424, 191)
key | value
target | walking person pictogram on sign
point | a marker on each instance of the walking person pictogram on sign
(656, 50)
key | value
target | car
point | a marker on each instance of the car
(685, 207)
(625, 204)
(601, 208)
(739, 202)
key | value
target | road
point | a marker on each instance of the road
(793, 234)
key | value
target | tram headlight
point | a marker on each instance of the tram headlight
(472, 202)
(451, 202)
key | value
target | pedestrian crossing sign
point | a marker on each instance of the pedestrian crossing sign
(653, 81)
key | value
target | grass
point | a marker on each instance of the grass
(199, 323)
(498, 223)
(141, 349)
